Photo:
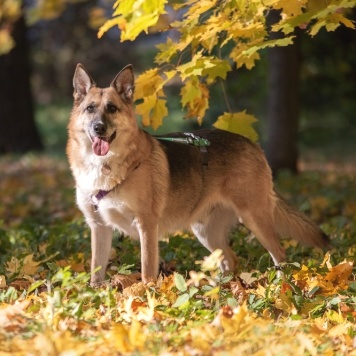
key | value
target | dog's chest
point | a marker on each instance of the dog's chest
(97, 173)
(117, 214)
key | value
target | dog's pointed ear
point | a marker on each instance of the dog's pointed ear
(124, 83)
(82, 82)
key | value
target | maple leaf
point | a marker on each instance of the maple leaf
(291, 8)
(145, 108)
(76, 262)
(219, 69)
(134, 17)
(166, 51)
(241, 58)
(195, 67)
(152, 110)
(339, 274)
(159, 112)
(148, 83)
(239, 123)
(30, 266)
(195, 96)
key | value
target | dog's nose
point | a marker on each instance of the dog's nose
(99, 128)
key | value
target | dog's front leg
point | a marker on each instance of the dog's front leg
(149, 251)
(101, 241)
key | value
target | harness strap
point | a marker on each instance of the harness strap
(102, 193)
(193, 140)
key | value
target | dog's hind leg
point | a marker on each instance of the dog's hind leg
(212, 231)
(261, 224)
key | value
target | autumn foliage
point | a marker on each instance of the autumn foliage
(207, 39)
(48, 308)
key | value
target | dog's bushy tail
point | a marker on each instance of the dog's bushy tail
(292, 223)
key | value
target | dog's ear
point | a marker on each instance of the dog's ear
(124, 83)
(82, 82)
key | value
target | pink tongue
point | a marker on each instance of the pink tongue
(100, 146)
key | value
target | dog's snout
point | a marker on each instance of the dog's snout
(99, 128)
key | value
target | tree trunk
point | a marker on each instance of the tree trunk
(283, 106)
(18, 132)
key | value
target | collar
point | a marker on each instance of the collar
(103, 193)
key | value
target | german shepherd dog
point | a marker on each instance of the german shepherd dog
(145, 187)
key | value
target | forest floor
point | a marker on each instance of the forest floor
(48, 308)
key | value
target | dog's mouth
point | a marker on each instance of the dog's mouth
(101, 145)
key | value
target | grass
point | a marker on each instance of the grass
(48, 308)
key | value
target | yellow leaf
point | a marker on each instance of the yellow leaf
(212, 262)
(2, 281)
(6, 42)
(237, 322)
(118, 21)
(30, 266)
(166, 51)
(152, 110)
(286, 41)
(148, 83)
(335, 317)
(13, 266)
(76, 262)
(203, 337)
(195, 96)
(212, 292)
(219, 68)
(144, 109)
(136, 335)
(326, 261)
(240, 123)
(239, 56)
(339, 18)
(291, 8)
(134, 17)
(190, 91)
(199, 7)
(339, 274)
(139, 24)
(119, 336)
(159, 112)
(306, 344)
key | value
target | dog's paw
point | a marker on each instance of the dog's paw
(122, 281)
(100, 284)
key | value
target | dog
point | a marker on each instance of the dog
(147, 186)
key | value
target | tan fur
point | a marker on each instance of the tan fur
(156, 187)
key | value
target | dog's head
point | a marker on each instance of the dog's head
(103, 114)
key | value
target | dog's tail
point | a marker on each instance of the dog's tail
(292, 223)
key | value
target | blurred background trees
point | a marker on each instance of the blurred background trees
(314, 81)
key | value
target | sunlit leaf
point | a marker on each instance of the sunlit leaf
(240, 123)
(180, 282)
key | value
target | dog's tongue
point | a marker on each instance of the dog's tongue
(100, 146)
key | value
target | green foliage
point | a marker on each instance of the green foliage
(47, 304)
(213, 36)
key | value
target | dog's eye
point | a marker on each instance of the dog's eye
(90, 108)
(111, 109)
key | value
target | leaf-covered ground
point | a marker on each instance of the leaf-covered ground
(48, 308)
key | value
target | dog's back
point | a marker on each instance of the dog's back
(147, 186)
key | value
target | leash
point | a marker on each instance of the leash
(191, 139)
